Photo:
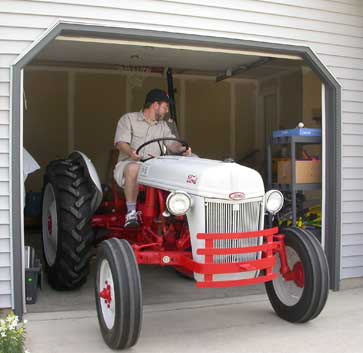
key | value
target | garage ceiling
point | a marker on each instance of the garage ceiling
(103, 53)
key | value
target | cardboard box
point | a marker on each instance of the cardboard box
(307, 172)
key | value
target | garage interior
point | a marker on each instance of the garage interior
(228, 102)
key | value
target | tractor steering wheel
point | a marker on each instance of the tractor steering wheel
(162, 152)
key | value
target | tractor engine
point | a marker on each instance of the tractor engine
(216, 197)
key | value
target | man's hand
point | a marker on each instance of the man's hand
(126, 149)
(188, 152)
(133, 155)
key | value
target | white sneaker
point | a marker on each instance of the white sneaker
(131, 220)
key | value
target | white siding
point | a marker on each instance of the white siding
(333, 29)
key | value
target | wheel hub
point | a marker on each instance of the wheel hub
(50, 225)
(296, 275)
(105, 294)
(299, 274)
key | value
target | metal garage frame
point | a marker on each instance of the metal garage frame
(332, 127)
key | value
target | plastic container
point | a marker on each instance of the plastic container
(33, 275)
(32, 279)
(33, 204)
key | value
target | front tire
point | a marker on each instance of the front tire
(302, 299)
(118, 294)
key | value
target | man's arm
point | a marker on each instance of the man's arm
(123, 137)
(175, 147)
(125, 148)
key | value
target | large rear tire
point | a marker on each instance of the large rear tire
(118, 294)
(66, 215)
(301, 300)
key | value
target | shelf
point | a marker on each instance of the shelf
(296, 139)
(291, 142)
(298, 187)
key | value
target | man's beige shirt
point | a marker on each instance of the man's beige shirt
(135, 130)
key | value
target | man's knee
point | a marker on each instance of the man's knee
(131, 171)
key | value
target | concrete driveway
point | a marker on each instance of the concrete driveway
(242, 324)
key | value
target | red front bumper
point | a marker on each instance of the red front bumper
(272, 242)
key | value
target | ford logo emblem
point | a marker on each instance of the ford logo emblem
(237, 196)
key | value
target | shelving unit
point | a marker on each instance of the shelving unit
(292, 141)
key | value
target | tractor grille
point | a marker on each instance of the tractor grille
(232, 217)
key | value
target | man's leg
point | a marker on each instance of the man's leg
(131, 190)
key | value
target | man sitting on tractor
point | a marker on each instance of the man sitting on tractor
(134, 129)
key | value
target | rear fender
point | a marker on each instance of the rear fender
(92, 174)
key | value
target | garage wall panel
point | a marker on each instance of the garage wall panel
(5, 245)
(4, 174)
(4, 259)
(4, 202)
(95, 122)
(11, 33)
(353, 206)
(352, 196)
(4, 188)
(214, 116)
(353, 260)
(4, 117)
(341, 61)
(245, 119)
(4, 159)
(6, 58)
(5, 102)
(353, 96)
(5, 274)
(354, 129)
(45, 139)
(4, 231)
(352, 161)
(353, 173)
(351, 140)
(352, 84)
(349, 271)
(352, 184)
(4, 217)
(4, 74)
(353, 239)
(4, 145)
(23, 21)
(5, 287)
(332, 29)
(4, 89)
(12, 47)
(353, 118)
(5, 300)
(351, 229)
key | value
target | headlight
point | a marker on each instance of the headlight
(274, 201)
(178, 203)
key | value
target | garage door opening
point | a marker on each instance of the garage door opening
(76, 89)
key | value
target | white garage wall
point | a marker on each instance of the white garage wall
(333, 29)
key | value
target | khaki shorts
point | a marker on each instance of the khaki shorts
(118, 172)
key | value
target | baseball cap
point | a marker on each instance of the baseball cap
(157, 95)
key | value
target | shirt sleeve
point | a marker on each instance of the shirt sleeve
(123, 130)
(167, 131)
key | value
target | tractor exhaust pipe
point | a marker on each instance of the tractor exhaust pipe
(169, 77)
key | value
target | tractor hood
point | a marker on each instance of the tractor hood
(202, 177)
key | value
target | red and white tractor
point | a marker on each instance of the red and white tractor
(203, 217)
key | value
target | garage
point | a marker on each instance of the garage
(77, 82)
